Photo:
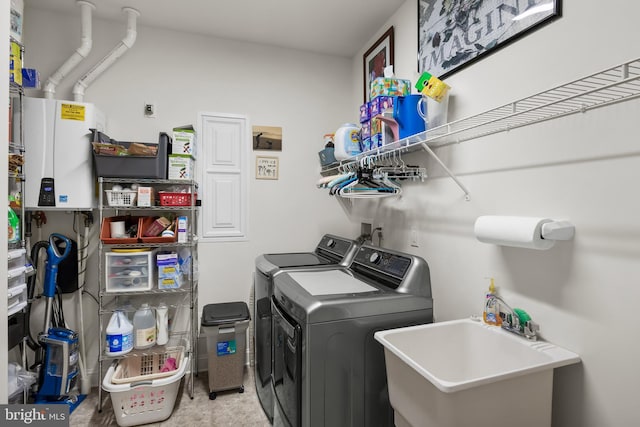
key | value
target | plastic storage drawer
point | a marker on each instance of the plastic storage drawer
(129, 271)
(16, 258)
(16, 276)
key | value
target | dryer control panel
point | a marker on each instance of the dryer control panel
(334, 247)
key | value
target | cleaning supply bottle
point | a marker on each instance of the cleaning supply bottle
(491, 314)
(13, 231)
(144, 327)
(347, 141)
(119, 334)
(162, 324)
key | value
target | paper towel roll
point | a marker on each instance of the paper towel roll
(517, 231)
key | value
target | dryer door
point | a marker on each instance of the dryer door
(286, 374)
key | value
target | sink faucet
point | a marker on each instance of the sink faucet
(511, 321)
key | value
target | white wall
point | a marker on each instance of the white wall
(584, 292)
(306, 94)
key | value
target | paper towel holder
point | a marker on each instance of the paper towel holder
(522, 232)
(557, 230)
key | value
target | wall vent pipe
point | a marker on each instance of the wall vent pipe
(80, 53)
(124, 45)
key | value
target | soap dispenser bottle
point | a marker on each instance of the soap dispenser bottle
(491, 313)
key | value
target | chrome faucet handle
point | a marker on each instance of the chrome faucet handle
(511, 320)
(531, 329)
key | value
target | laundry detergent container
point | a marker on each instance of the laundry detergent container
(225, 327)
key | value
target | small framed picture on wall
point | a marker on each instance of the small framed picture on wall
(266, 167)
(376, 59)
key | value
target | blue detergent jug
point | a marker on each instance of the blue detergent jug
(405, 113)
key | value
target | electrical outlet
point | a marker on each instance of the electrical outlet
(150, 110)
(413, 239)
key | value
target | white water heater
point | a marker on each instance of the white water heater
(58, 159)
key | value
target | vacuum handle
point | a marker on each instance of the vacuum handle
(53, 239)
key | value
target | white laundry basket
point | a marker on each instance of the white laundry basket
(145, 399)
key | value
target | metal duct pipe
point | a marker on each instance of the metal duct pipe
(124, 45)
(80, 53)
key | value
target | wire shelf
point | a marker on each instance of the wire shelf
(616, 84)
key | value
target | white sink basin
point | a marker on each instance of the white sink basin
(464, 372)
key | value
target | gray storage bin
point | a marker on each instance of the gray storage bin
(224, 325)
(154, 167)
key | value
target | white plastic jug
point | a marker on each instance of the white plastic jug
(162, 324)
(347, 141)
(119, 334)
(144, 327)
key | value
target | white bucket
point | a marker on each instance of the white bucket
(436, 112)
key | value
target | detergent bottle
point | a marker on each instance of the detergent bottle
(347, 141)
(119, 334)
(13, 231)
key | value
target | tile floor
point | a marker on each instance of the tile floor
(230, 408)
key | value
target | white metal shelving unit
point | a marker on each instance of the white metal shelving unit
(185, 297)
(610, 86)
(17, 251)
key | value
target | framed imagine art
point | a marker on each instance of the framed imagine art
(454, 33)
(376, 58)
(266, 167)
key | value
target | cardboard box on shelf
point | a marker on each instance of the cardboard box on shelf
(157, 227)
(183, 229)
(181, 167)
(145, 196)
(169, 273)
(390, 87)
(184, 141)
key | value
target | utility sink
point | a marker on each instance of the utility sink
(466, 373)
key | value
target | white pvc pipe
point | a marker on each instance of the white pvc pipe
(124, 45)
(80, 53)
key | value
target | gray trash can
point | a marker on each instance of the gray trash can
(224, 325)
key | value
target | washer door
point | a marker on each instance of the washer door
(286, 374)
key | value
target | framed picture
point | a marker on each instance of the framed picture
(454, 33)
(267, 138)
(266, 167)
(376, 58)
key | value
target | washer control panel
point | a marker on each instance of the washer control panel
(386, 262)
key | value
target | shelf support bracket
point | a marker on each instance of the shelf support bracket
(447, 170)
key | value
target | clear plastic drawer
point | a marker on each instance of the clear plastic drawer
(129, 271)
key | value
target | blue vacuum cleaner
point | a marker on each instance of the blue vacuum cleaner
(59, 372)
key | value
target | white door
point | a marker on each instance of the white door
(224, 142)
